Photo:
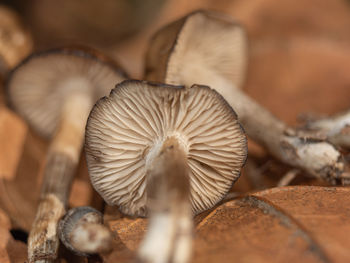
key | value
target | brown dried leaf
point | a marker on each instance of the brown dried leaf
(308, 75)
(19, 195)
(4, 220)
(288, 224)
(12, 136)
(10, 249)
(299, 53)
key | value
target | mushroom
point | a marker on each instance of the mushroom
(210, 49)
(15, 41)
(82, 231)
(54, 92)
(162, 150)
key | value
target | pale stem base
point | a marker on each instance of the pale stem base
(169, 235)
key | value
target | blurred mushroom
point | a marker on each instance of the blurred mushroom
(15, 40)
(86, 21)
(161, 150)
(208, 48)
(54, 91)
(82, 231)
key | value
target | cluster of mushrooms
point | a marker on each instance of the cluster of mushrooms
(167, 147)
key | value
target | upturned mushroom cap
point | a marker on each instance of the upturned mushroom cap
(203, 47)
(82, 231)
(126, 130)
(39, 86)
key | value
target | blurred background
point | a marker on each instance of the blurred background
(299, 66)
(289, 42)
(298, 50)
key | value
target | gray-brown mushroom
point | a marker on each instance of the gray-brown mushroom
(210, 49)
(54, 92)
(82, 231)
(162, 150)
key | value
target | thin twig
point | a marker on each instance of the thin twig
(288, 178)
(335, 128)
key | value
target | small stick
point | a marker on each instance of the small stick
(336, 129)
(230, 196)
(288, 177)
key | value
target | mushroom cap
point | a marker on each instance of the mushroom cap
(38, 87)
(83, 226)
(125, 130)
(204, 47)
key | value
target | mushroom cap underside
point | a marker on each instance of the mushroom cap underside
(125, 129)
(39, 86)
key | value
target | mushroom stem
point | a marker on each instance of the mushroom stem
(336, 129)
(169, 238)
(317, 157)
(91, 238)
(62, 160)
